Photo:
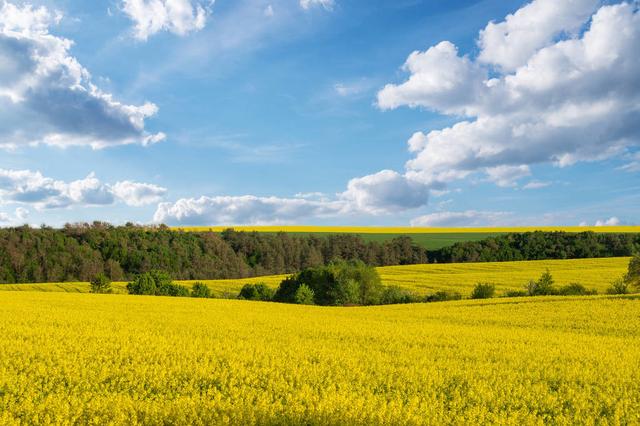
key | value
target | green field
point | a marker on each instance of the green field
(429, 238)
(424, 279)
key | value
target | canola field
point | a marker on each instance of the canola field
(118, 359)
(425, 279)
(428, 238)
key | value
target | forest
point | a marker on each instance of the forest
(79, 252)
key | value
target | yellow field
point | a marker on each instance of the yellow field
(409, 230)
(426, 279)
(117, 359)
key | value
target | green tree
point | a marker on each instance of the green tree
(101, 284)
(200, 290)
(543, 286)
(304, 295)
(483, 291)
(619, 286)
(633, 273)
(258, 291)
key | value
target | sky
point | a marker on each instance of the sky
(320, 112)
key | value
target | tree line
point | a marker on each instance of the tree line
(80, 252)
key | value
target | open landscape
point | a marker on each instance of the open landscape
(319, 212)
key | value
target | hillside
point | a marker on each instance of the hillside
(115, 358)
(423, 279)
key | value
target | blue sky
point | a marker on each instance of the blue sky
(194, 112)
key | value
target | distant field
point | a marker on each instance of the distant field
(425, 279)
(117, 359)
(429, 238)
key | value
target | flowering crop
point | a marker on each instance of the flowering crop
(117, 359)
(426, 279)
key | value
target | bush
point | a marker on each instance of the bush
(156, 283)
(304, 295)
(619, 286)
(443, 296)
(515, 293)
(101, 284)
(542, 287)
(339, 283)
(633, 273)
(394, 295)
(576, 289)
(256, 292)
(200, 290)
(483, 291)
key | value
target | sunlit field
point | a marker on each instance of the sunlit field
(425, 279)
(115, 359)
(409, 230)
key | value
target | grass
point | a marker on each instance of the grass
(424, 279)
(429, 238)
(118, 359)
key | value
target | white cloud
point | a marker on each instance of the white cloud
(247, 209)
(507, 176)
(327, 4)
(536, 184)
(32, 188)
(19, 217)
(176, 16)
(138, 194)
(47, 96)
(469, 218)
(21, 214)
(572, 97)
(385, 192)
(612, 221)
(634, 163)
(510, 44)
(268, 11)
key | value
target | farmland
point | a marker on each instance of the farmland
(424, 279)
(428, 238)
(113, 359)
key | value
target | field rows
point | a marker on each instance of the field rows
(426, 279)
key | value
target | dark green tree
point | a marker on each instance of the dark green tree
(483, 291)
(304, 295)
(200, 290)
(101, 284)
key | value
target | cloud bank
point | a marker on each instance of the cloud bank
(48, 97)
(32, 188)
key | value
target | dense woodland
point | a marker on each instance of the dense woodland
(80, 252)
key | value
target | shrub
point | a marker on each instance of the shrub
(633, 273)
(256, 292)
(304, 295)
(443, 296)
(394, 295)
(575, 289)
(156, 283)
(619, 286)
(542, 287)
(200, 290)
(101, 284)
(483, 291)
(339, 283)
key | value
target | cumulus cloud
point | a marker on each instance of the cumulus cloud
(48, 97)
(138, 194)
(553, 83)
(386, 192)
(327, 4)
(179, 17)
(469, 218)
(19, 217)
(248, 209)
(32, 188)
